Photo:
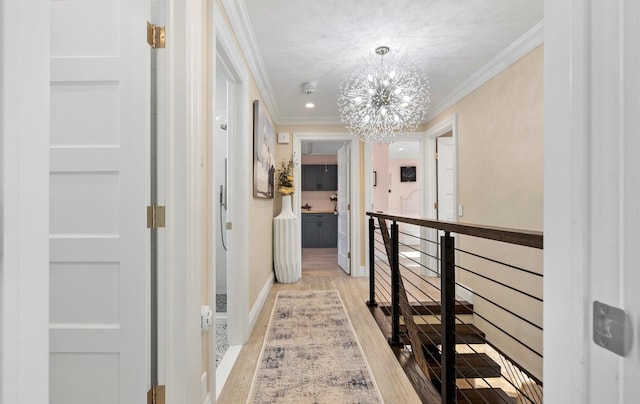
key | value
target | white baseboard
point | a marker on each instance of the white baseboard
(257, 307)
(465, 294)
(224, 368)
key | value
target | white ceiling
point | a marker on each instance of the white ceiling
(458, 43)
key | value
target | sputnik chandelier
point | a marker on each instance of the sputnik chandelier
(384, 98)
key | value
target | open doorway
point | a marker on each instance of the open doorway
(320, 199)
(228, 153)
(221, 158)
(328, 199)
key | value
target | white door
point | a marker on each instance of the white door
(343, 207)
(99, 294)
(446, 172)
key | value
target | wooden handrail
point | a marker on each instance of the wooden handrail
(525, 238)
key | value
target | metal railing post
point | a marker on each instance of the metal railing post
(372, 263)
(395, 286)
(448, 301)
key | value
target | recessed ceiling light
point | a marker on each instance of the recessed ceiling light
(401, 148)
(309, 105)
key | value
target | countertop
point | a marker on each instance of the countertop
(312, 211)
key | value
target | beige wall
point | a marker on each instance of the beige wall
(500, 183)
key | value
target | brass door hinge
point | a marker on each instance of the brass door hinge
(435, 205)
(156, 395)
(155, 217)
(155, 35)
(349, 255)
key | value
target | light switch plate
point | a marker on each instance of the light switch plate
(283, 137)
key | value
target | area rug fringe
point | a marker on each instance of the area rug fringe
(312, 354)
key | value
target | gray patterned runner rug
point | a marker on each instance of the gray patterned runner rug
(311, 354)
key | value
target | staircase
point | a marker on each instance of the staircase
(469, 366)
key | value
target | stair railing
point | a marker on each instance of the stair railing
(427, 347)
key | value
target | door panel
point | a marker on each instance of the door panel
(343, 207)
(446, 173)
(98, 177)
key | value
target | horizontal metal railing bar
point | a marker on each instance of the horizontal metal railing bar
(526, 238)
(501, 284)
(515, 372)
(414, 261)
(501, 263)
(508, 334)
(522, 369)
(502, 307)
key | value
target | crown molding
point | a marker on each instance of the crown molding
(241, 25)
(316, 120)
(514, 52)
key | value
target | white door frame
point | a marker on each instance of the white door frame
(448, 125)
(354, 185)
(24, 202)
(591, 196)
(222, 47)
(184, 83)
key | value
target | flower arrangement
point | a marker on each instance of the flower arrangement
(284, 174)
(334, 198)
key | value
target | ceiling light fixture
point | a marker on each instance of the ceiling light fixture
(383, 99)
(309, 105)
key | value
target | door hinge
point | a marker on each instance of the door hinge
(435, 205)
(349, 255)
(155, 217)
(155, 35)
(156, 395)
(348, 206)
(435, 155)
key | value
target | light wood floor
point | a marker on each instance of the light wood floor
(321, 272)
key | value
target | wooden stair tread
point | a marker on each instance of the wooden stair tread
(432, 308)
(430, 334)
(468, 365)
(484, 396)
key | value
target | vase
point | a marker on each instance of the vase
(287, 253)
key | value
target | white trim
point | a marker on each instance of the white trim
(356, 213)
(262, 297)
(239, 170)
(226, 365)
(514, 52)
(241, 24)
(24, 202)
(465, 293)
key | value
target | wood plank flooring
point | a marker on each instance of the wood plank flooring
(320, 272)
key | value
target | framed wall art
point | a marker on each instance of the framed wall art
(264, 143)
(408, 174)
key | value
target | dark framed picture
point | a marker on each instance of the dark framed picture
(264, 143)
(408, 174)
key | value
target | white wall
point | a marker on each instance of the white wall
(24, 192)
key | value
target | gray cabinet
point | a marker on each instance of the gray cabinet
(319, 230)
(317, 177)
